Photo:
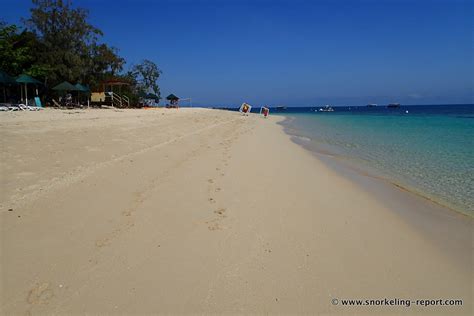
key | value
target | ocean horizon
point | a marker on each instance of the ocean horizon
(426, 149)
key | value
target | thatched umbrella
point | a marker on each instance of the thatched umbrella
(6, 79)
(26, 79)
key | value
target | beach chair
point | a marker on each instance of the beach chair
(56, 103)
(245, 108)
(38, 102)
(264, 111)
(15, 107)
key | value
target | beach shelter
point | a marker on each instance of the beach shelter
(148, 99)
(173, 99)
(6, 79)
(81, 89)
(26, 79)
(65, 86)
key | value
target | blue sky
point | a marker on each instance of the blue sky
(294, 53)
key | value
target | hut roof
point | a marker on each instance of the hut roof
(116, 82)
(172, 97)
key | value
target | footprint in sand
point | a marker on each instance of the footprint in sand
(102, 242)
(40, 294)
(210, 181)
(105, 241)
(217, 189)
(212, 200)
(220, 211)
(214, 226)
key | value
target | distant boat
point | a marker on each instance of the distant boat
(326, 108)
(393, 105)
(281, 108)
(371, 105)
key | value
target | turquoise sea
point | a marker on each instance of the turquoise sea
(429, 150)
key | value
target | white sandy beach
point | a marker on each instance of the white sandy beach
(205, 211)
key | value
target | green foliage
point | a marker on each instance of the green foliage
(16, 49)
(103, 63)
(59, 44)
(146, 75)
(70, 45)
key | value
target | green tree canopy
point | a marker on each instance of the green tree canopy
(17, 50)
(70, 44)
(146, 76)
(57, 43)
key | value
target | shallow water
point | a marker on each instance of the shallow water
(429, 150)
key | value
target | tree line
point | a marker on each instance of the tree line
(57, 43)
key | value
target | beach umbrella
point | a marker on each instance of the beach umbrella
(26, 79)
(6, 79)
(81, 87)
(154, 97)
(65, 86)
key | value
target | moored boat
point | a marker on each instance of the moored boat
(326, 108)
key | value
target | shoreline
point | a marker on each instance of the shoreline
(207, 211)
(343, 164)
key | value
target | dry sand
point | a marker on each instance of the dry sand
(206, 211)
